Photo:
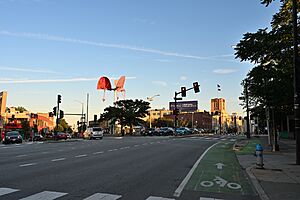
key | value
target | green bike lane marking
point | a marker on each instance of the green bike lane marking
(226, 178)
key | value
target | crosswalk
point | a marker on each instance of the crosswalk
(51, 195)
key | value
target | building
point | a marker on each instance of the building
(222, 120)
(197, 119)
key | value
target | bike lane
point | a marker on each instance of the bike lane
(219, 175)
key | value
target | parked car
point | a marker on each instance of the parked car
(36, 137)
(12, 137)
(60, 136)
(195, 131)
(69, 136)
(150, 132)
(166, 131)
(93, 133)
(183, 131)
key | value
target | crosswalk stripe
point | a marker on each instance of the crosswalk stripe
(158, 198)
(4, 191)
(46, 195)
(205, 198)
(103, 196)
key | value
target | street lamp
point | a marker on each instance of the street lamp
(151, 99)
(82, 104)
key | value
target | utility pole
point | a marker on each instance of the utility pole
(296, 83)
(247, 108)
(57, 111)
(87, 110)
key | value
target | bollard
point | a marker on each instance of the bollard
(259, 157)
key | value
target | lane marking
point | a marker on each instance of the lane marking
(126, 147)
(137, 145)
(46, 195)
(178, 191)
(158, 198)
(20, 156)
(103, 196)
(58, 159)
(80, 156)
(145, 144)
(98, 152)
(28, 164)
(205, 198)
(4, 191)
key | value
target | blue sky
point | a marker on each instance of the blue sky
(159, 45)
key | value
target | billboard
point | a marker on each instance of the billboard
(185, 106)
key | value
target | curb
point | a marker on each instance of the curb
(255, 182)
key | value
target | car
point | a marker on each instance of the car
(93, 133)
(60, 136)
(183, 131)
(166, 131)
(12, 137)
(36, 137)
(195, 131)
(69, 136)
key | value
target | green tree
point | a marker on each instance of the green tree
(270, 82)
(21, 109)
(63, 126)
(126, 113)
(25, 128)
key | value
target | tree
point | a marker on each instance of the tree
(63, 126)
(126, 113)
(25, 128)
(270, 82)
(21, 109)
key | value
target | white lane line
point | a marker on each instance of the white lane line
(145, 144)
(80, 156)
(112, 150)
(137, 145)
(151, 142)
(126, 147)
(46, 195)
(158, 198)
(20, 156)
(223, 139)
(103, 196)
(178, 191)
(44, 152)
(28, 164)
(205, 198)
(98, 152)
(208, 138)
(58, 159)
(4, 191)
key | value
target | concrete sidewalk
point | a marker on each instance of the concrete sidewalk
(281, 177)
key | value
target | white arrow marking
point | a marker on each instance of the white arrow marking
(220, 165)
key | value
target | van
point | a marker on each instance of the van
(93, 133)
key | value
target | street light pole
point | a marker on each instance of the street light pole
(151, 99)
(296, 83)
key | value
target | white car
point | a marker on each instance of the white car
(93, 133)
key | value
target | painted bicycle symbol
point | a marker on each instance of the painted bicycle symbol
(221, 182)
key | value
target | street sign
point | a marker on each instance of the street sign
(178, 98)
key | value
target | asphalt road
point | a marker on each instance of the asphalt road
(129, 168)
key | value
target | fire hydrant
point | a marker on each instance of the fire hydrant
(259, 157)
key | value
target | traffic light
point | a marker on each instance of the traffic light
(54, 111)
(59, 98)
(196, 87)
(183, 91)
(61, 114)
(50, 114)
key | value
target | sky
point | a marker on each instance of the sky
(50, 47)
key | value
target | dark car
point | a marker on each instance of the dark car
(12, 137)
(60, 136)
(37, 137)
(166, 131)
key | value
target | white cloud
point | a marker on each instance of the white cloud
(224, 71)
(183, 78)
(163, 60)
(108, 45)
(160, 83)
(17, 69)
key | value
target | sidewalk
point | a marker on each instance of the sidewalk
(281, 177)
